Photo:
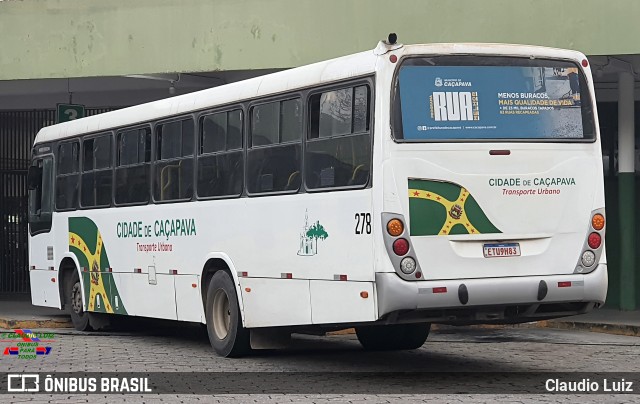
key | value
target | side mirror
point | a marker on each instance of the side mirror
(34, 177)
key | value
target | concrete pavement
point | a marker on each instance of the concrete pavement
(16, 311)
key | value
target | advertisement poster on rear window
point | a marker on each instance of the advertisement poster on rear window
(490, 102)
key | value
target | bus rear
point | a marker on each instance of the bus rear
(493, 188)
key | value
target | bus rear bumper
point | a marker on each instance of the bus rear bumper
(490, 300)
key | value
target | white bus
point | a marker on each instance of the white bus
(386, 190)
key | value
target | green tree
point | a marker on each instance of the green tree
(317, 231)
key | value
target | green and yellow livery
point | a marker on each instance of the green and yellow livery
(438, 208)
(100, 289)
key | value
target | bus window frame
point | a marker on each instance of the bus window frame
(113, 139)
(242, 107)
(49, 153)
(155, 159)
(117, 132)
(395, 107)
(369, 82)
(292, 95)
(56, 162)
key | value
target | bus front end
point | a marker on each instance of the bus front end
(493, 196)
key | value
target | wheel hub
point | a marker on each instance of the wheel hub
(76, 298)
(221, 314)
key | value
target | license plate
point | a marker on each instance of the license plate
(501, 250)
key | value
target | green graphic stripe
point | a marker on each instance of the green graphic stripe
(427, 217)
(478, 218)
(88, 231)
(445, 189)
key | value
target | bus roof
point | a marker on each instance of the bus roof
(345, 67)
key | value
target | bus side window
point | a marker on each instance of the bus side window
(173, 165)
(274, 153)
(40, 192)
(220, 157)
(68, 175)
(338, 152)
(133, 154)
(95, 189)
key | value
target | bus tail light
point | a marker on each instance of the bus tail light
(408, 265)
(594, 243)
(594, 240)
(588, 258)
(401, 246)
(398, 243)
(395, 227)
(597, 221)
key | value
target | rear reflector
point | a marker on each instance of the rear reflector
(499, 152)
(564, 284)
(440, 290)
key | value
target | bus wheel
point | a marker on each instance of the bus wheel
(224, 325)
(393, 337)
(79, 317)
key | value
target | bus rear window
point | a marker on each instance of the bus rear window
(467, 98)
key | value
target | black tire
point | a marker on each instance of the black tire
(224, 325)
(74, 304)
(393, 337)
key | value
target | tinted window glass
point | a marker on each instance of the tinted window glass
(134, 146)
(214, 133)
(102, 152)
(220, 174)
(338, 153)
(68, 177)
(68, 158)
(234, 130)
(169, 140)
(291, 121)
(174, 166)
(132, 172)
(275, 168)
(220, 164)
(361, 110)
(265, 123)
(96, 181)
(40, 197)
(336, 108)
